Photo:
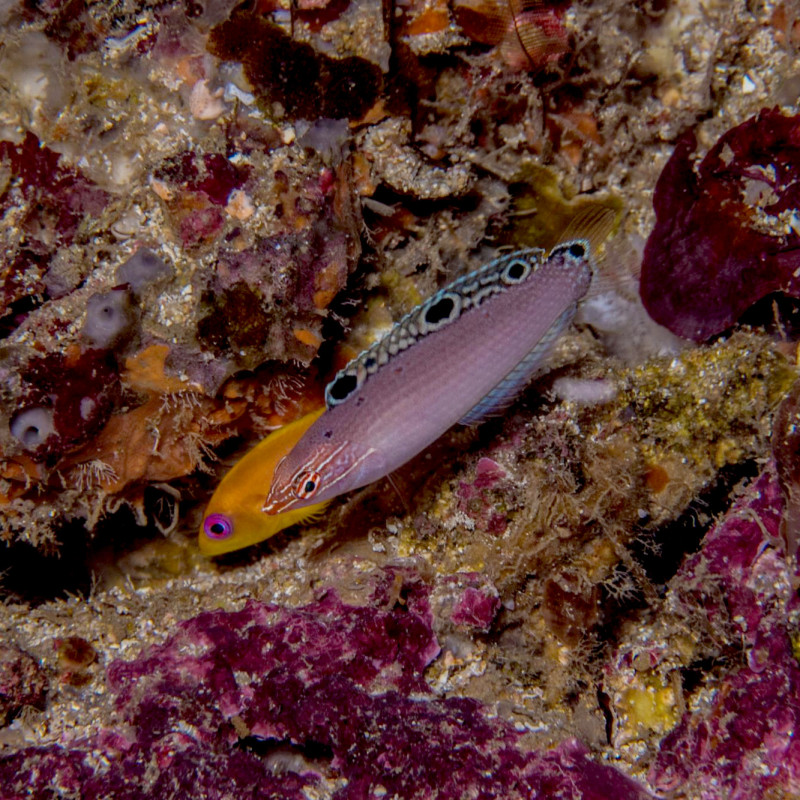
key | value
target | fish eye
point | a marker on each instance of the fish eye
(306, 484)
(217, 526)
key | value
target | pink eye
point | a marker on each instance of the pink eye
(217, 526)
(306, 484)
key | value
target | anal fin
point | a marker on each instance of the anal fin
(504, 394)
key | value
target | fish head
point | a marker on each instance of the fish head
(318, 470)
(233, 518)
(224, 531)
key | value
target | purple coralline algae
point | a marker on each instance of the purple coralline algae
(469, 600)
(477, 606)
(51, 202)
(726, 232)
(743, 742)
(22, 682)
(269, 700)
(786, 450)
(478, 499)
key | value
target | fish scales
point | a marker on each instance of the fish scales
(421, 383)
(507, 390)
(443, 308)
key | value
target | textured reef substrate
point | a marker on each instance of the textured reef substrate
(592, 597)
(268, 701)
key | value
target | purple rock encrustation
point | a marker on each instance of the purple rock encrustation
(743, 743)
(338, 689)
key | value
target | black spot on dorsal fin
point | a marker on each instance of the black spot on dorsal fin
(342, 387)
(439, 311)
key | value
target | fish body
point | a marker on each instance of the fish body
(233, 518)
(465, 352)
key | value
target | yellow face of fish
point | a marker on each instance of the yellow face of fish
(234, 518)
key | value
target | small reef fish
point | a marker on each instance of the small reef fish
(462, 355)
(233, 518)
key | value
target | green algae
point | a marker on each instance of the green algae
(711, 405)
(544, 208)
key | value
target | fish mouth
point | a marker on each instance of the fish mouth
(274, 505)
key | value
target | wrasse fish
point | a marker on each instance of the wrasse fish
(233, 518)
(461, 355)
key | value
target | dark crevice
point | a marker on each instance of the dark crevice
(621, 598)
(697, 673)
(28, 575)
(777, 314)
(284, 753)
(604, 703)
(17, 311)
(662, 550)
(67, 568)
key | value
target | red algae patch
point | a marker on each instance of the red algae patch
(48, 202)
(727, 231)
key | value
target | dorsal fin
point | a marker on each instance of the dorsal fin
(504, 394)
(594, 223)
(438, 311)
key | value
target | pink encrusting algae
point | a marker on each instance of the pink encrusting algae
(339, 689)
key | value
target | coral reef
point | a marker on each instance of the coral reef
(594, 596)
(740, 742)
(108, 334)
